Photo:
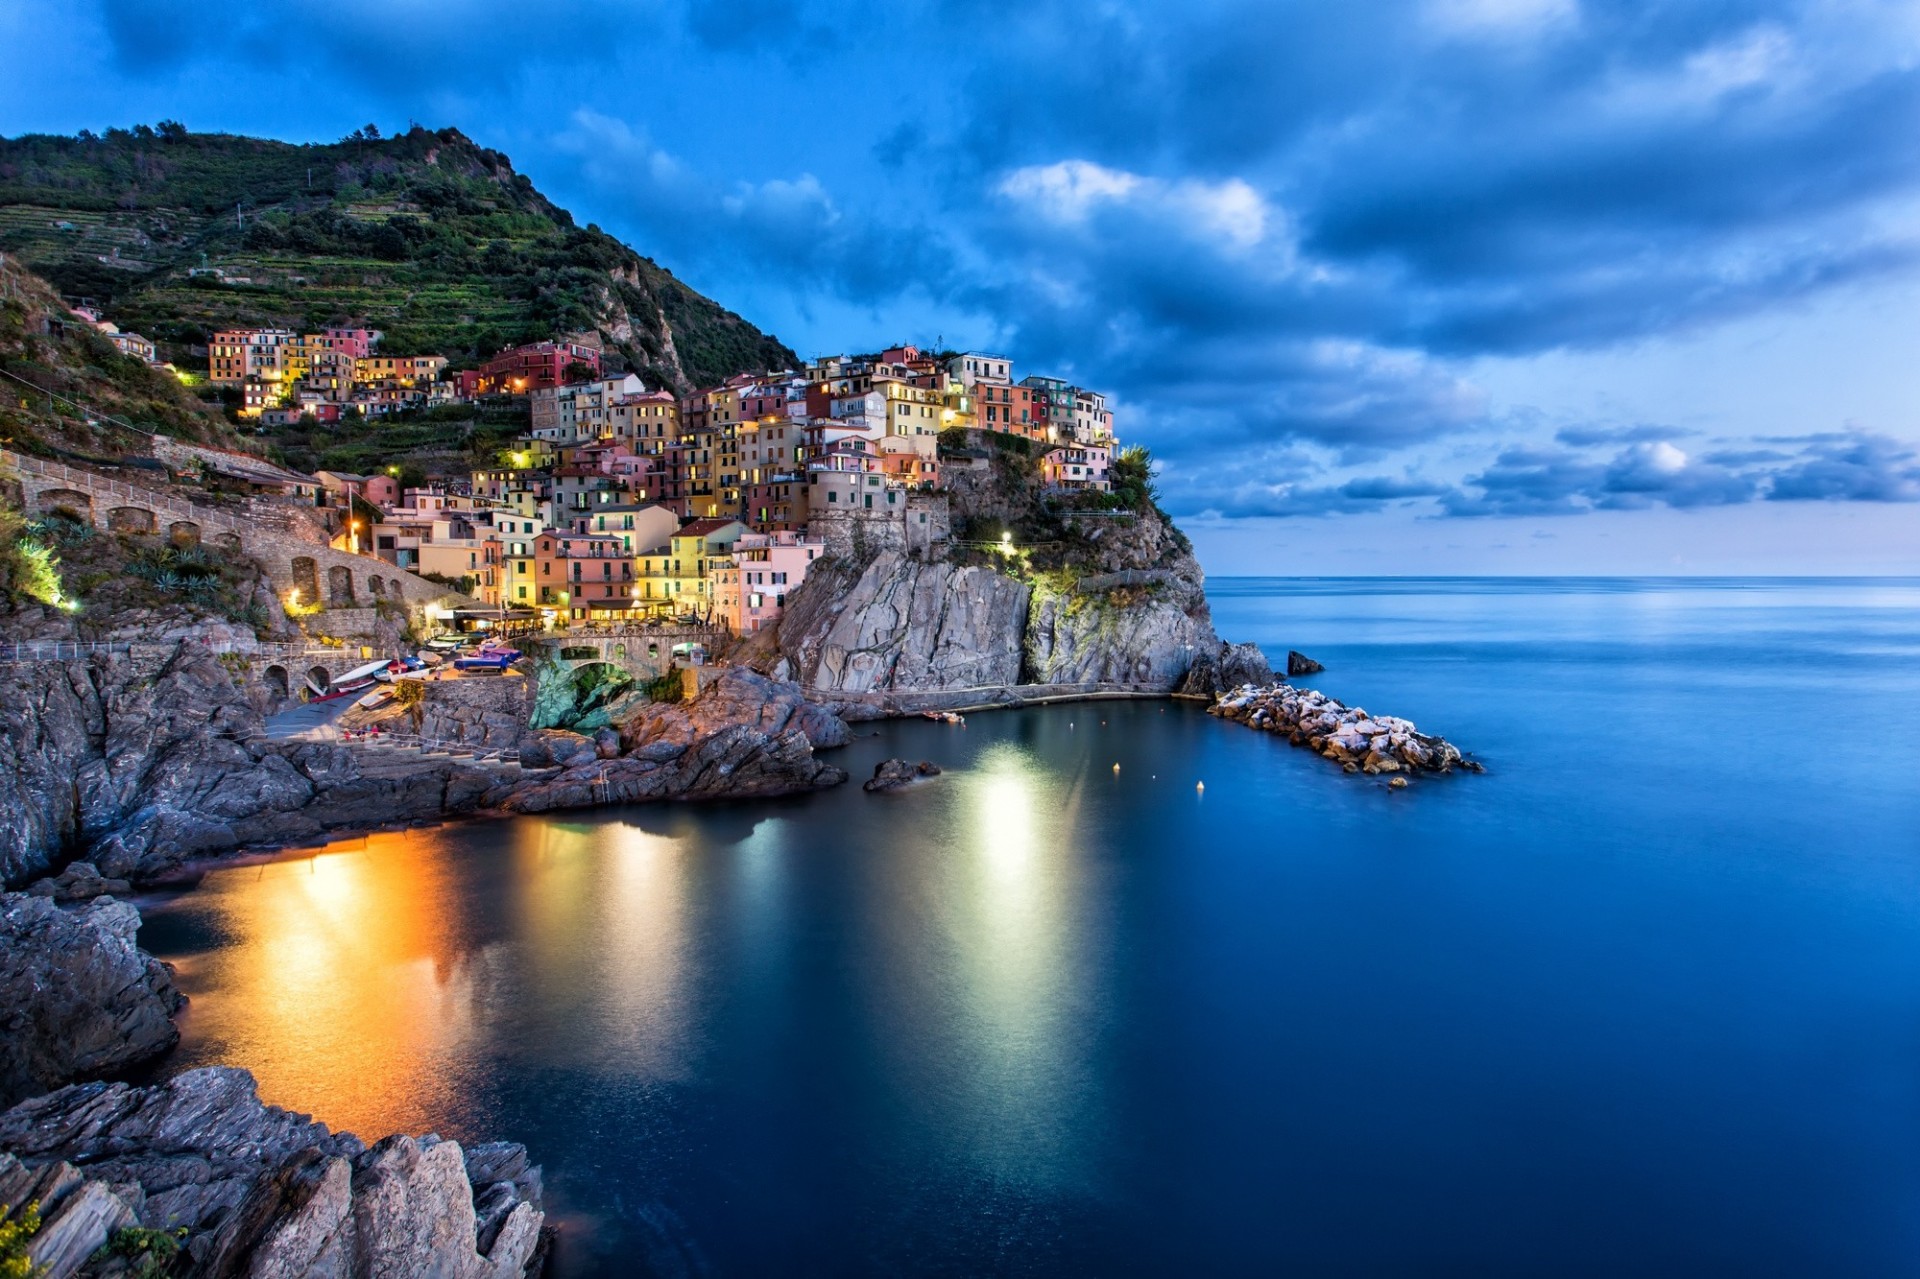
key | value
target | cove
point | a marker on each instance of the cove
(1641, 999)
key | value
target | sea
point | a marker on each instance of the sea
(1131, 990)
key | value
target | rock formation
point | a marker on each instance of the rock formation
(896, 774)
(142, 771)
(259, 1192)
(1347, 735)
(78, 999)
(1126, 605)
(1299, 663)
(744, 735)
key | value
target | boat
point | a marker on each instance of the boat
(946, 717)
(489, 658)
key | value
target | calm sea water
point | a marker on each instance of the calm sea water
(1645, 999)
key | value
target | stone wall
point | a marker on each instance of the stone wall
(280, 535)
(919, 527)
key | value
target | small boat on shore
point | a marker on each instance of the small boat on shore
(946, 717)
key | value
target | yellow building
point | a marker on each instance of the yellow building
(672, 580)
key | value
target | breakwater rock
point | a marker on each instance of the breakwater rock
(1347, 735)
(262, 1193)
(78, 999)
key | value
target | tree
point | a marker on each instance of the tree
(371, 132)
(1131, 474)
(171, 130)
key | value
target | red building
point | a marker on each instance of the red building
(530, 368)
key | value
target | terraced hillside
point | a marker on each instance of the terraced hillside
(427, 236)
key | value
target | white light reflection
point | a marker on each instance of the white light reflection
(1018, 943)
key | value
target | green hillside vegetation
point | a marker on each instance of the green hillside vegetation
(64, 387)
(427, 236)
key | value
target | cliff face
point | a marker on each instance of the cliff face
(1114, 599)
(139, 769)
(900, 623)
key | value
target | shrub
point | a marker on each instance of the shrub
(668, 688)
(15, 1233)
(152, 1252)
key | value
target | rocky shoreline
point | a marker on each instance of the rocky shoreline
(1347, 735)
(249, 1191)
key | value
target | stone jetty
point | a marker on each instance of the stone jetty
(1347, 735)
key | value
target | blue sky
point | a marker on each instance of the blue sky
(1410, 286)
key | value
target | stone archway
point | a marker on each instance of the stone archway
(66, 501)
(376, 586)
(275, 678)
(318, 678)
(306, 580)
(577, 697)
(183, 533)
(340, 585)
(131, 519)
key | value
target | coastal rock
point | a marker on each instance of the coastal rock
(1347, 735)
(267, 1194)
(901, 623)
(79, 882)
(894, 774)
(1233, 666)
(78, 999)
(1299, 663)
(547, 747)
(744, 735)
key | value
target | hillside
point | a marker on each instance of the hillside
(427, 236)
(62, 384)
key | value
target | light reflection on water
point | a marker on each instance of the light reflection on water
(1641, 1000)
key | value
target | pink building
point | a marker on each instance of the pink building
(1077, 466)
(751, 588)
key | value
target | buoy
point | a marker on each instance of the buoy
(1201, 787)
(1116, 768)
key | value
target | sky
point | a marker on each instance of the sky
(1400, 286)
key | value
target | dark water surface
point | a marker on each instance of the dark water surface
(1645, 999)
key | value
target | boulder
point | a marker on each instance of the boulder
(78, 999)
(894, 774)
(1299, 663)
(79, 882)
(744, 735)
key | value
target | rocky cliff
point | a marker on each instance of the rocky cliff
(140, 767)
(82, 1000)
(257, 1192)
(1110, 598)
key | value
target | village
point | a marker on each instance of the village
(624, 502)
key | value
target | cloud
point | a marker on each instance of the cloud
(1853, 467)
(1500, 18)
(790, 226)
(1526, 480)
(1069, 191)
